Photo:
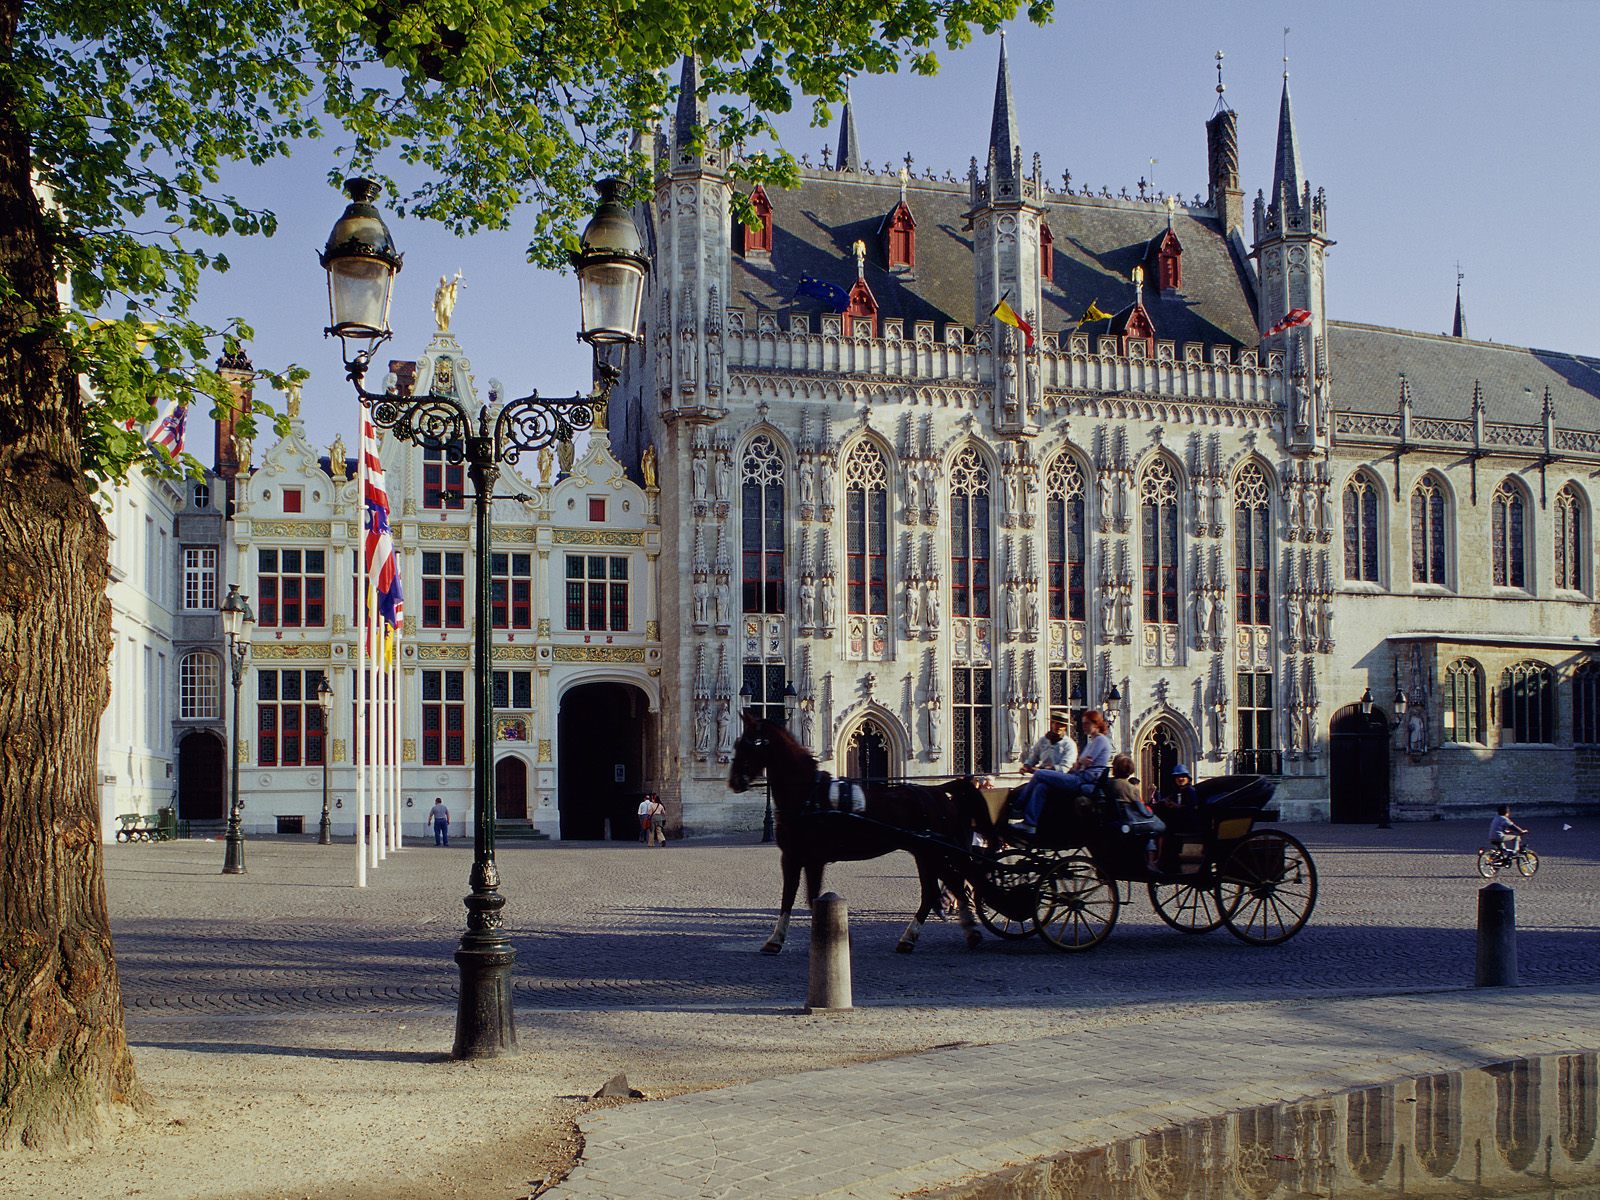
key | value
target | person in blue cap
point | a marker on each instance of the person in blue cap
(1182, 791)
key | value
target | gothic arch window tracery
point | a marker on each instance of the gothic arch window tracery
(1586, 704)
(866, 505)
(1508, 531)
(970, 531)
(1158, 543)
(1066, 538)
(1571, 569)
(1527, 704)
(762, 541)
(1463, 702)
(1361, 498)
(1252, 546)
(1429, 531)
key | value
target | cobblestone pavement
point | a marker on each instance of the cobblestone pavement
(619, 925)
(1150, 1023)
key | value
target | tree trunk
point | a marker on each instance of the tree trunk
(64, 1062)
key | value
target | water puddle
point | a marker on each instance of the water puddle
(1519, 1128)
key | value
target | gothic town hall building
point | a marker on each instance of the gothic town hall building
(1211, 511)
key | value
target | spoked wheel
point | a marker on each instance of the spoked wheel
(1268, 888)
(1528, 864)
(1077, 908)
(1188, 907)
(1007, 897)
(1488, 864)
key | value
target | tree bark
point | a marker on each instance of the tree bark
(64, 1061)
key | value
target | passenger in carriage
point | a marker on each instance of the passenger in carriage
(1137, 817)
(1180, 793)
(1091, 764)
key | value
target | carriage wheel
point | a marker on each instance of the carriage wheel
(1188, 907)
(1488, 864)
(1010, 882)
(1268, 888)
(1077, 908)
(1528, 864)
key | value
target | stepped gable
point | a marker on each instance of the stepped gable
(1098, 242)
(1441, 369)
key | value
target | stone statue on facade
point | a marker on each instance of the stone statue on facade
(699, 479)
(702, 603)
(930, 605)
(724, 730)
(724, 476)
(724, 603)
(808, 602)
(702, 728)
(647, 465)
(825, 602)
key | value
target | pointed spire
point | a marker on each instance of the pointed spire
(1460, 328)
(849, 157)
(1287, 175)
(1003, 139)
(691, 109)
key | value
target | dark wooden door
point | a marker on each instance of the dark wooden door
(868, 754)
(1358, 766)
(510, 790)
(201, 782)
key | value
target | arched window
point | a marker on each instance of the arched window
(1463, 702)
(762, 527)
(1586, 705)
(199, 687)
(1369, 1132)
(1361, 528)
(1576, 1091)
(1158, 506)
(1527, 704)
(1438, 1122)
(969, 535)
(1252, 546)
(1568, 542)
(1066, 536)
(1428, 531)
(1508, 536)
(866, 514)
(1516, 1111)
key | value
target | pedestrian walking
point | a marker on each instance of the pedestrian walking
(644, 820)
(439, 822)
(658, 820)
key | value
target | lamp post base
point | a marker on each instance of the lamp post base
(233, 856)
(485, 1027)
(325, 831)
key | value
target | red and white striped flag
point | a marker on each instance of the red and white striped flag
(167, 433)
(383, 565)
(1295, 316)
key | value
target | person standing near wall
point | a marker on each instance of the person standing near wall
(439, 822)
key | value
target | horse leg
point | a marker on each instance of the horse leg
(929, 879)
(814, 872)
(791, 884)
(965, 913)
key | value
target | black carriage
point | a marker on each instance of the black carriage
(1214, 867)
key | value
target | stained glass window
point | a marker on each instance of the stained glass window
(1586, 705)
(1066, 539)
(969, 535)
(1568, 544)
(1427, 531)
(1158, 502)
(1361, 529)
(1527, 704)
(866, 505)
(762, 542)
(1506, 530)
(1463, 702)
(1252, 546)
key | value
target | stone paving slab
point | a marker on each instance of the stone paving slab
(870, 1131)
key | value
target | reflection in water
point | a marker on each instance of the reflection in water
(1517, 1128)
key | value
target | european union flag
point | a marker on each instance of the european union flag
(831, 294)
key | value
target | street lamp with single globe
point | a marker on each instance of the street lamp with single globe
(361, 261)
(238, 622)
(325, 703)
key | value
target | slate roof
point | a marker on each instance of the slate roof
(1366, 362)
(1098, 242)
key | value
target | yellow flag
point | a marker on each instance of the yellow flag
(1093, 313)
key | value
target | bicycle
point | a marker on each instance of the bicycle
(1494, 859)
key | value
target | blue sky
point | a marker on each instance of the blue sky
(1441, 133)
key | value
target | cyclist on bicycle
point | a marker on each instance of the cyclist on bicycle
(1504, 833)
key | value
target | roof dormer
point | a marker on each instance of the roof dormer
(1047, 252)
(898, 231)
(862, 314)
(1165, 261)
(755, 239)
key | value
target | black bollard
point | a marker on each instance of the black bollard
(828, 980)
(1497, 936)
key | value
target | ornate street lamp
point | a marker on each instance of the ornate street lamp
(238, 622)
(325, 703)
(361, 262)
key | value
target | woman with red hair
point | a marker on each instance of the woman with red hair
(1091, 764)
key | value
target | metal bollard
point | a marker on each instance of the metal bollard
(1497, 936)
(828, 980)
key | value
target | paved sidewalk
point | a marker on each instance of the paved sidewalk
(885, 1129)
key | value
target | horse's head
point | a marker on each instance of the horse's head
(749, 753)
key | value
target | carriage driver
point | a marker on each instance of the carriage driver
(1055, 751)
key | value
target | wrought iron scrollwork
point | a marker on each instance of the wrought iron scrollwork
(531, 423)
(433, 422)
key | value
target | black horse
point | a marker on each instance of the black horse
(808, 839)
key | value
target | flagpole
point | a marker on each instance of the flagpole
(398, 825)
(360, 738)
(375, 842)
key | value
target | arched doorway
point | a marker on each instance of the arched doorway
(867, 753)
(1358, 766)
(600, 755)
(1160, 749)
(202, 760)
(511, 789)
